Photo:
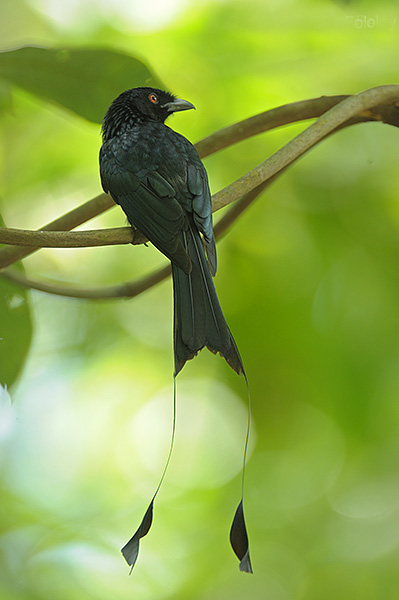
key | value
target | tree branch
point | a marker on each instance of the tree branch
(83, 213)
(331, 120)
(124, 290)
(136, 287)
(377, 104)
(71, 239)
(380, 103)
(288, 114)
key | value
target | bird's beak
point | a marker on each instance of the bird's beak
(178, 104)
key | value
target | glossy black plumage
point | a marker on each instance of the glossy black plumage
(157, 177)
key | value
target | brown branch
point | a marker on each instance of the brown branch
(288, 114)
(336, 119)
(83, 213)
(138, 286)
(330, 121)
(71, 239)
(124, 290)
(383, 111)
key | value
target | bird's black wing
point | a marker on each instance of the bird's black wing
(158, 178)
(150, 205)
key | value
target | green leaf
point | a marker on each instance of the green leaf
(15, 328)
(82, 80)
(5, 96)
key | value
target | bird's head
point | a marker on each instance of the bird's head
(142, 103)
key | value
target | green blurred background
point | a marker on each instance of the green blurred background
(308, 280)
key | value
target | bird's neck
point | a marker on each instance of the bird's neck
(119, 120)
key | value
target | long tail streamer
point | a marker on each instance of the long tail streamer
(238, 532)
(130, 550)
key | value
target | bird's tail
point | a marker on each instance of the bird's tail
(198, 317)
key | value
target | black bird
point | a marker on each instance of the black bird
(158, 179)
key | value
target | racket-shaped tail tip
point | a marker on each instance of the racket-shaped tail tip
(239, 540)
(130, 551)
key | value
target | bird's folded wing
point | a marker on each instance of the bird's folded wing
(150, 204)
(201, 206)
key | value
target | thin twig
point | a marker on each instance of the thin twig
(123, 290)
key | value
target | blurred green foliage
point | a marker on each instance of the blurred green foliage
(15, 329)
(308, 281)
(83, 80)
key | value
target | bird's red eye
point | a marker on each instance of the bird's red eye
(153, 98)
